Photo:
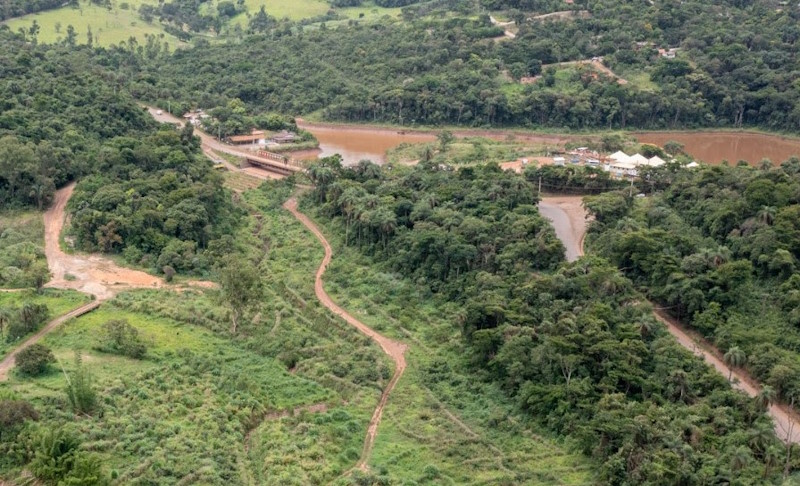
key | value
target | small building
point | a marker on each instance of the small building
(619, 156)
(285, 137)
(255, 137)
(656, 161)
(624, 169)
(593, 162)
(559, 161)
(638, 159)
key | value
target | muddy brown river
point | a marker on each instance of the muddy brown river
(355, 142)
(714, 147)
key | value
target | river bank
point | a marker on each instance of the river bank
(359, 141)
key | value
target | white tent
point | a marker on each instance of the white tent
(656, 161)
(619, 156)
(639, 159)
(692, 165)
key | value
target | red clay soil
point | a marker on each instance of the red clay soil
(393, 349)
(786, 420)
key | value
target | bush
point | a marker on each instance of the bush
(80, 391)
(34, 360)
(13, 413)
(58, 460)
(119, 337)
(27, 320)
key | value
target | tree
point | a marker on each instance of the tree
(673, 148)
(34, 360)
(13, 413)
(766, 397)
(71, 36)
(240, 287)
(734, 358)
(80, 388)
(119, 337)
(445, 138)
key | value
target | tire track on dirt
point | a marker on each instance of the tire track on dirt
(394, 349)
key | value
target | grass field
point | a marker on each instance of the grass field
(58, 302)
(109, 27)
(304, 9)
(469, 150)
(442, 425)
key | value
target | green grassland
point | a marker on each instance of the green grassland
(110, 27)
(469, 150)
(58, 302)
(442, 425)
(305, 9)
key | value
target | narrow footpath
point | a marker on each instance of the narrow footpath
(394, 349)
(569, 219)
(8, 361)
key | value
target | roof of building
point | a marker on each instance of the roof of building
(619, 156)
(639, 159)
(246, 138)
(656, 161)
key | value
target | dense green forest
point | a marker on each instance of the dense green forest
(734, 67)
(144, 190)
(18, 8)
(719, 248)
(571, 343)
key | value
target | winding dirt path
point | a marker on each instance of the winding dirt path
(394, 349)
(573, 233)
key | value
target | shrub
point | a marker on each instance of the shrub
(34, 360)
(119, 337)
(80, 391)
(27, 320)
(58, 460)
(13, 413)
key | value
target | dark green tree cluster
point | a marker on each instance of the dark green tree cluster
(153, 199)
(34, 360)
(437, 224)
(119, 337)
(734, 67)
(573, 344)
(18, 8)
(719, 247)
(19, 322)
(56, 110)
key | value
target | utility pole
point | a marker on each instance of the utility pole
(630, 193)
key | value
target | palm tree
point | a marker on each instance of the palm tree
(734, 358)
(767, 214)
(741, 457)
(766, 397)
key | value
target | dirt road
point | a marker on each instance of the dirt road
(393, 349)
(8, 361)
(597, 65)
(573, 226)
(504, 25)
(569, 220)
(91, 274)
